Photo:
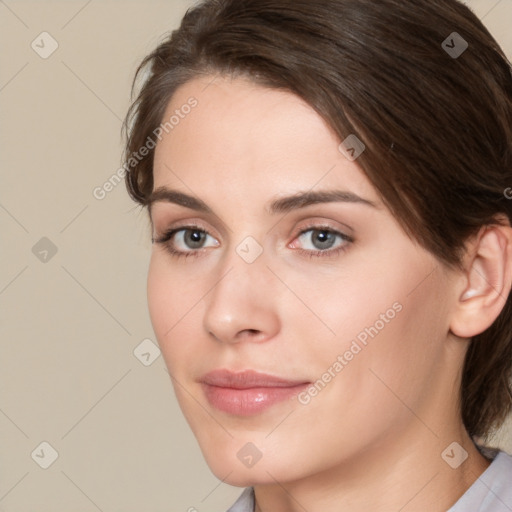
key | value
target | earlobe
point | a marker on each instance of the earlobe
(487, 278)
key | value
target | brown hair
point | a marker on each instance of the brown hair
(437, 126)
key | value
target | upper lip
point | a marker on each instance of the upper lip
(247, 379)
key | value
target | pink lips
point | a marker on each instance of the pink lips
(248, 392)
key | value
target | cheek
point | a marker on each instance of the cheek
(359, 304)
(387, 319)
(379, 295)
(171, 300)
(402, 352)
(160, 299)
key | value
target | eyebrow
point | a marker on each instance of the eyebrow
(280, 205)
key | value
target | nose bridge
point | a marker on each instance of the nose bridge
(243, 265)
(241, 299)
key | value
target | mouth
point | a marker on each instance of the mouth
(249, 392)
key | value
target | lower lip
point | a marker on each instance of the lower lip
(246, 402)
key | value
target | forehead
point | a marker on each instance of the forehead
(243, 136)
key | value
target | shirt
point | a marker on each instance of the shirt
(491, 492)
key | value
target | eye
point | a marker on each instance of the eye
(322, 241)
(185, 240)
(190, 240)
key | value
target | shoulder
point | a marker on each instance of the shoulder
(492, 491)
(245, 502)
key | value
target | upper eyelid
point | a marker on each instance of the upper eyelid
(209, 216)
(179, 226)
(320, 222)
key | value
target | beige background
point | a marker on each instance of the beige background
(69, 325)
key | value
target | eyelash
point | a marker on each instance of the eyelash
(166, 237)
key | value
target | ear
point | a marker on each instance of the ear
(486, 282)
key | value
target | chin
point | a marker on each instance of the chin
(232, 471)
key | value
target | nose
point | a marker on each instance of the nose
(243, 303)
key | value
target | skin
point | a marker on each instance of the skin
(372, 438)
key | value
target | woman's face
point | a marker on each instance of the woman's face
(331, 296)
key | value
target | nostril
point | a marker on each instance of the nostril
(249, 334)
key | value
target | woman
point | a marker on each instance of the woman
(332, 262)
